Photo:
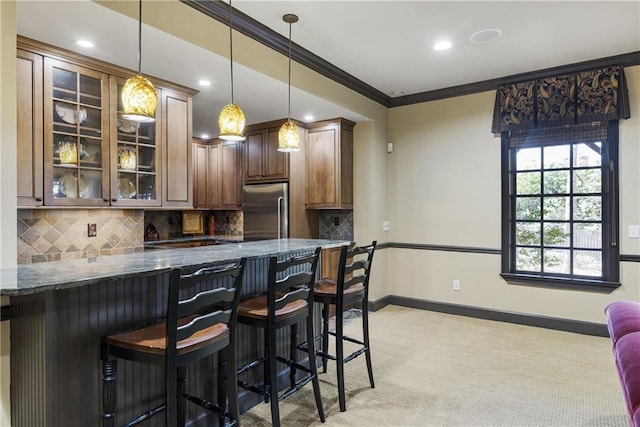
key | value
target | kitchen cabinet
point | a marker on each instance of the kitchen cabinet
(176, 125)
(218, 175)
(76, 135)
(329, 160)
(263, 162)
(75, 149)
(135, 156)
(29, 129)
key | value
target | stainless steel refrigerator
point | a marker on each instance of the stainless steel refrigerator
(265, 209)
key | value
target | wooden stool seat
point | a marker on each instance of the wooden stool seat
(329, 287)
(153, 339)
(257, 308)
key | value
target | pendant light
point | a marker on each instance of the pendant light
(139, 98)
(231, 118)
(288, 136)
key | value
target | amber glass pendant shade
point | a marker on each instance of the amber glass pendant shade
(288, 137)
(139, 99)
(231, 123)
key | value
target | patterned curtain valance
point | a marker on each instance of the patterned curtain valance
(597, 95)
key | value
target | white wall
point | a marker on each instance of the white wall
(8, 213)
(444, 188)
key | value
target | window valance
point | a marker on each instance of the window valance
(596, 95)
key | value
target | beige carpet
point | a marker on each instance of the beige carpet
(434, 369)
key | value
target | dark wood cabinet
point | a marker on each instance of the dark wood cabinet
(29, 129)
(329, 160)
(218, 175)
(263, 161)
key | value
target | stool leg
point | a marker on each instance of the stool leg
(109, 376)
(365, 334)
(340, 357)
(222, 385)
(325, 335)
(273, 376)
(292, 353)
(265, 367)
(181, 375)
(171, 389)
(314, 368)
(232, 386)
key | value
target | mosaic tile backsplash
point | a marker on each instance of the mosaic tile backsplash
(60, 234)
(169, 223)
(336, 225)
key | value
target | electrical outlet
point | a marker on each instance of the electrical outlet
(634, 231)
(92, 230)
(456, 285)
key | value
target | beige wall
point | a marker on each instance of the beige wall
(444, 188)
(7, 180)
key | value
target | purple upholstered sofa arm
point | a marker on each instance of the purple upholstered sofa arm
(623, 322)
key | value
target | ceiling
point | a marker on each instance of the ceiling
(387, 45)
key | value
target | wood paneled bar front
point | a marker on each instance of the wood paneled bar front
(61, 309)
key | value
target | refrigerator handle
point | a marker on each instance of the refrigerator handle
(280, 200)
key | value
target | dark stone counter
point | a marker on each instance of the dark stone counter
(40, 277)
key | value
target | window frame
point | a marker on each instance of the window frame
(610, 220)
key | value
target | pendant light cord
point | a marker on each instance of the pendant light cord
(289, 115)
(140, 37)
(231, 46)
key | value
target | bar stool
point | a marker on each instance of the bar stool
(351, 287)
(288, 301)
(199, 322)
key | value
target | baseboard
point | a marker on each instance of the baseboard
(567, 325)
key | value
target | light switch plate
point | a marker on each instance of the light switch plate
(634, 232)
(385, 225)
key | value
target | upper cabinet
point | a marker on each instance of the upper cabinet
(263, 161)
(29, 131)
(75, 149)
(76, 135)
(176, 124)
(135, 155)
(218, 175)
(329, 160)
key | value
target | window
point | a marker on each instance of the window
(560, 207)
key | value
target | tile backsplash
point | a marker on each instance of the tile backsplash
(59, 234)
(336, 225)
(169, 223)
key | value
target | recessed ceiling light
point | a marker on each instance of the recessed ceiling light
(395, 93)
(204, 83)
(204, 136)
(308, 118)
(442, 45)
(84, 43)
(485, 36)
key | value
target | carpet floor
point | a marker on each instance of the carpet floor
(434, 369)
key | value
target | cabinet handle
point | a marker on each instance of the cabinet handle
(114, 200)
(38, 199)
(105, 200)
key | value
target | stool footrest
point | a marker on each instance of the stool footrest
(293, 363)
(298, 385)
(209, 406)
(353, 340)
(145, 416)
(261, 390)
(354, 354)
(248, 366)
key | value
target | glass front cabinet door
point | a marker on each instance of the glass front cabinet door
(134, 156)
(76, 135)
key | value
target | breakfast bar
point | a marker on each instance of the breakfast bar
(61, 309)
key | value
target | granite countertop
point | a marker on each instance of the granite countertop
(47, 276)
